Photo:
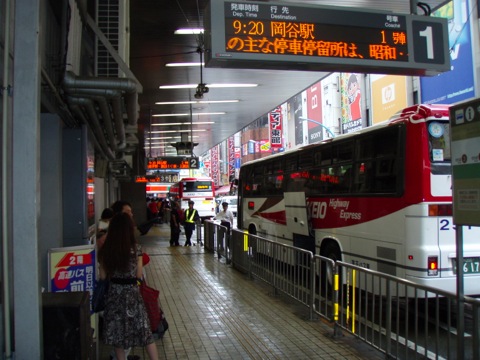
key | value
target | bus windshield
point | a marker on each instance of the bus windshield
(439, 140)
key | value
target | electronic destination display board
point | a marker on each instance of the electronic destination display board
(172, 162)
(290, 36)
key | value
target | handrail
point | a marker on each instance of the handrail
(396, 316)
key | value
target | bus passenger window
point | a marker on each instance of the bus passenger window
(385, 176)
(291, 163)
(324, 158)
(305, 160)
(364, 178)
(343, 152)
(346, 182)
(270, 186)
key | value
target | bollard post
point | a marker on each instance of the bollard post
(337, 332)
(312, 284)
(199, 233)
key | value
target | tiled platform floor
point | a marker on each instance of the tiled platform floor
(216, 312)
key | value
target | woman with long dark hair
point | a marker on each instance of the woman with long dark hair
(126, 322)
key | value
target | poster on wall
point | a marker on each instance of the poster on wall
(297, 107)
(314, 113)
(351, 99)
(455, 85)
(389, 95)
(286, 141)
(294, 123)
(215, 171)
(275, 123)
(331, 109)
(231, 158)
(71, 268)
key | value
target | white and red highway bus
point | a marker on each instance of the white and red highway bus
(200, 190)
(380, 198)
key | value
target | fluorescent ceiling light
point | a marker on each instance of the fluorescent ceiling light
(157, 144)
(185, 64)
(161, 138)
(176, 131)
(166, 137)
(187, 114)
(185, 123)
(231, 85)
(193, 86)
(188, 31)
(195, 102)
(156, 147)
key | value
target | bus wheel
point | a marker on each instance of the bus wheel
(252, 230)
(331, 251)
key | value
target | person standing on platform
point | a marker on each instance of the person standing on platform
(174, 224)
(225, 216)
(121, 206)
(153, 210)
(226, 219)
(102, 227)
(126, 323)
(191, 217)
(105, 218)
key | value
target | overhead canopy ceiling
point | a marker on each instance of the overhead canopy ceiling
(153, 45)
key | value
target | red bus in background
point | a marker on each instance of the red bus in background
(199, 190)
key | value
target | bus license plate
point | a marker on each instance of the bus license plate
(471, 265)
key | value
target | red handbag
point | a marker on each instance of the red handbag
(150, 298)
(145, 258)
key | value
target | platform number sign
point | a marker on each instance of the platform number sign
(428, 44)
(194, 163)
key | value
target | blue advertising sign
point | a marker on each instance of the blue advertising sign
(455, 85)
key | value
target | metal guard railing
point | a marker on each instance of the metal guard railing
(400, 318)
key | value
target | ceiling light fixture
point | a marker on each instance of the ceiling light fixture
(185, 64)
(188, 31)
(175, 131)
(193, 86)
(161, 138)
(159, 146)
(196, 102)
(185, 123)
(164, 138)
(187, 114)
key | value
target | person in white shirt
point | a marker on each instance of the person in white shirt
(225, 216)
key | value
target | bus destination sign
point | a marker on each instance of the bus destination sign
(157, 178)
(299, 37)
(172, 162)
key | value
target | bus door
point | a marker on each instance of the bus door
(297, 221)
(296, 212)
